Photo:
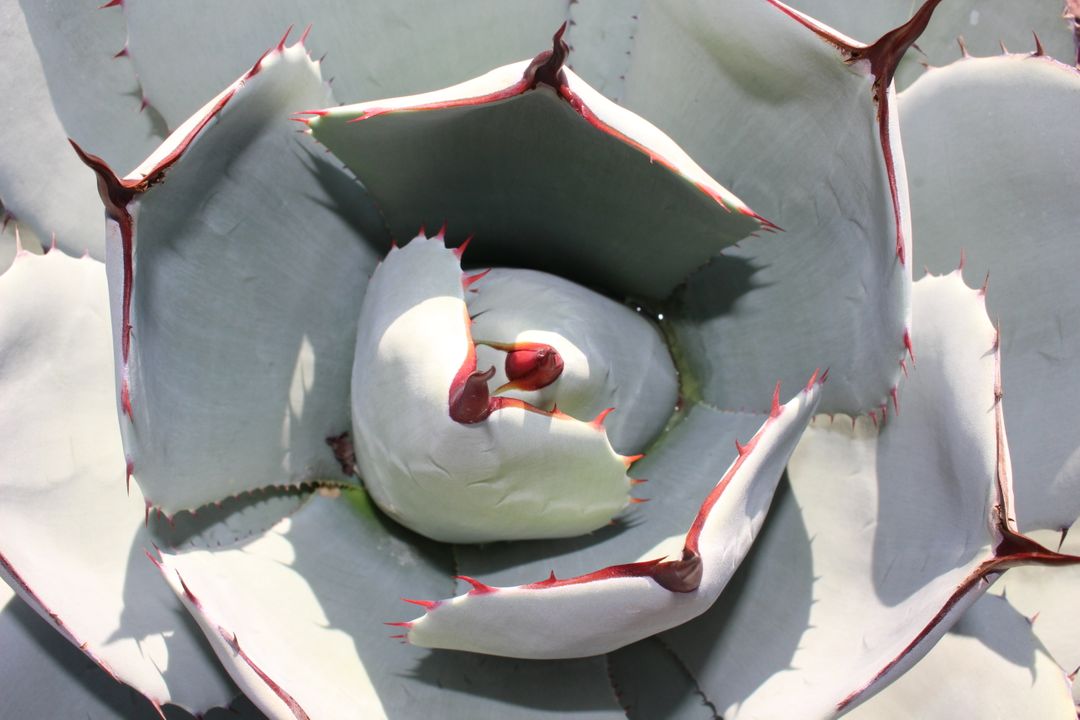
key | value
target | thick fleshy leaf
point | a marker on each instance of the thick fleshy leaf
(884, 541)
(990, 665)
(41, 181)
(43, 675)
(72, 538)
(92, 85)
(544, 172)
(437, 450)
(332, 570)
(774, 112)
(238, 260)
(982, 25)
(185, 52)
(963, 125)
(13, 237)
(609, 608)
(613, 357)
(1047, 596)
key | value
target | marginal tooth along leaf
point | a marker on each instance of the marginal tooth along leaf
(499, 156)
(437, 451)
(890, 534)
(609, 608)
(71, 534)
(238, 385)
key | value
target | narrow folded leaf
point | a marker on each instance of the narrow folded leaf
(238, 257)
(962, 124)
(72, 537)
(887, 536)
(615, 606)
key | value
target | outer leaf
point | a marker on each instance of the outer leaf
(71, 537)
(186, 51)
(502, 157)
(904, 530)
(772, 109)
(989, 665)
(609, 608)
(962, 125)
(44, 675)
(237, 261)
(91, 83)
(981, 25)
(1048, 598)
(331, 569)
(41, 180)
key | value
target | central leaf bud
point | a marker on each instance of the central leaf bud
(481, 403)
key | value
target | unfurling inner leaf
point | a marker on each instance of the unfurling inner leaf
(445, 452)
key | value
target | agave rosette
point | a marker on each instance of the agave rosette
(268, 414)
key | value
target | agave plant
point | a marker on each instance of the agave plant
(269, 401)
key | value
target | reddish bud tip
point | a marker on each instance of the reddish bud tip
(470, 401)
(531, 366)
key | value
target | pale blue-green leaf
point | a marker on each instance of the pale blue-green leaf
(880, 546)
(651, 682)
(297, 617)
(91, 82)
(983, 24)
(776, 115)
(72, 538)
(990, 665)
(680, 467)
(185, 52)
(250, 259)
(1048, 596)
(557, 179)
(994, 176)
(42, 182)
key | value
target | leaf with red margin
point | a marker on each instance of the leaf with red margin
(257, 247)
(609, 608)
(545, 172)
(768, 104)
(71, 535)
(186, 51)
(989, 665)
(905, 528)
(982, 26)
(330, 572)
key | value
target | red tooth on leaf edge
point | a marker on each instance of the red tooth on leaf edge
(479, 588)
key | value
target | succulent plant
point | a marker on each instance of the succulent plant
(270, 401)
